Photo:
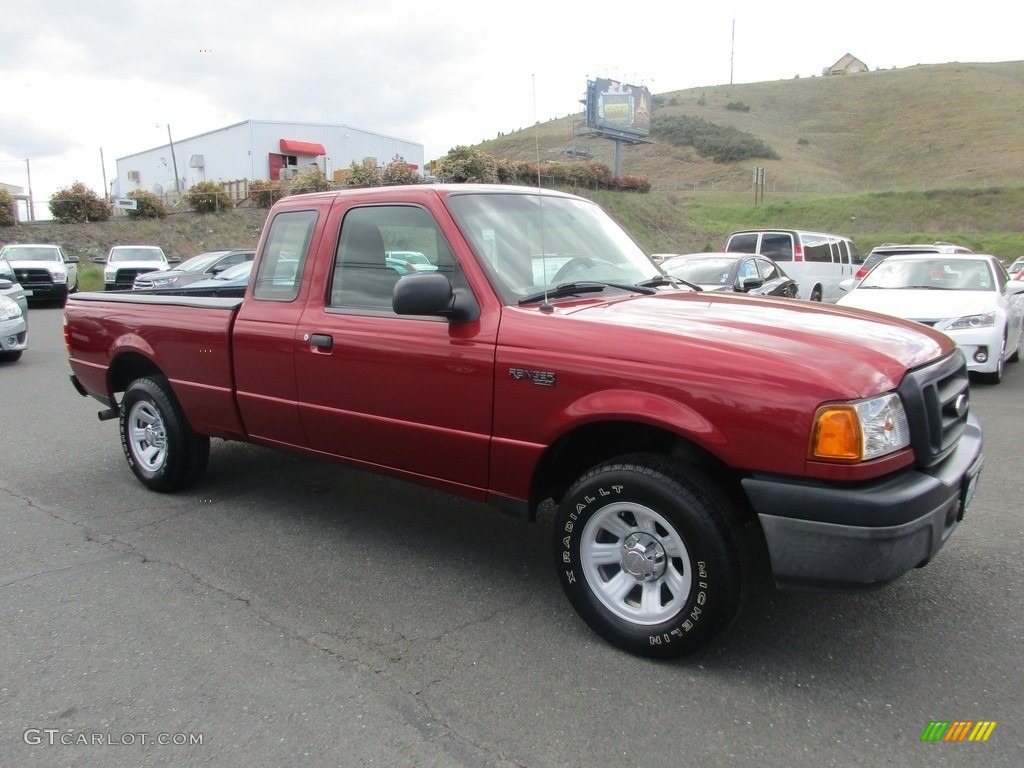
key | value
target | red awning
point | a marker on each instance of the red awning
(292, 147)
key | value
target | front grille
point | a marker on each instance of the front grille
(31, 277)
(937, 400)
(125, 278)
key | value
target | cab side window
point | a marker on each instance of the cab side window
(377, 247)
(279, 275)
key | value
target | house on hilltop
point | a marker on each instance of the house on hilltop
(846, 65)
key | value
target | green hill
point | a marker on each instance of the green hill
(933, 152)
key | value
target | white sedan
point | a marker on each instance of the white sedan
(969, 297)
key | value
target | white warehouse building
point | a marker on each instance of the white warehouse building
(257, 149)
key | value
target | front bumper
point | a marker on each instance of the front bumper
(13, 335)
(853, 538)
(972, 340)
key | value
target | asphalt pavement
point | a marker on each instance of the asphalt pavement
(288, 611)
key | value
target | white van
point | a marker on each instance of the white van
(817, 261)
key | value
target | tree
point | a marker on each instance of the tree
(78, 203)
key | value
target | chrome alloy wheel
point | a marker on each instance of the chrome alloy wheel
(636, 563)
(147, 436)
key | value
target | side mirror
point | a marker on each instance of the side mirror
(5, 284)
(99, 259)
(174, 259)
(750, 283)
(430, 293)
(71, 260)
(846, 285)
(1014, 287)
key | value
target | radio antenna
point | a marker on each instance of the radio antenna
(545, 306)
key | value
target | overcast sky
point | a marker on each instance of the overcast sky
(81, 76)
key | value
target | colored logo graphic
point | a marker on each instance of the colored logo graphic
(958, 730)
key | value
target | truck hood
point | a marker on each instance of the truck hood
(847, 352)
(152, 266)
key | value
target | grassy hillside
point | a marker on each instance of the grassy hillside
(919, 154)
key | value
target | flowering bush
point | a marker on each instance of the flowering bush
(208, 197)
(311, 180)
(265, 193)
(78, 203)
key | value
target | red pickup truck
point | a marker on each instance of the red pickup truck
(515, 346)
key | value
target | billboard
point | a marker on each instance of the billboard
(616, 109)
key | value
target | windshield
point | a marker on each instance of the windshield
(703, 271)
(31, 253)
(136, 254)
(939, 273)
(200, 262)
(236, 272)
(530, 242)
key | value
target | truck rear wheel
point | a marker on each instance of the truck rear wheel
(158, 442)
(647, 557)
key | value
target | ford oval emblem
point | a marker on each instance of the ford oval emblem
(961, 405)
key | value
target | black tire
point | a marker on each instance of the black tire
(646, 555)
(816, 293)
(10, 357)
(161, 448)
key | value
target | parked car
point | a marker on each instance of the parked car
(1016, 269)
(126, 262)
(43, 269)
(13, 330)
(818, 261)
(11, 288)
(409, 261)
(231, 282)
(883, 251)
(970, 297)
(200, 267)
(737, 272)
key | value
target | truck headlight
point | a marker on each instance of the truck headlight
(970, 321)
(859, 431)
(59, 275)
(109, 275)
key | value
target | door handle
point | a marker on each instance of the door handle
(321, 341)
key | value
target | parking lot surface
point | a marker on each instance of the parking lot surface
(288, 611)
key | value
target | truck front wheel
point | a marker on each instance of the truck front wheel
(647, 557)
(158, 442)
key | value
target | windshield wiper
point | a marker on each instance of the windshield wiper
(668, 280)
(572, 289)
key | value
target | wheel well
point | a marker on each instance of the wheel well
(587, 446)
(129, 367)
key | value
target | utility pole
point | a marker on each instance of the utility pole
(103, 167)
(31, 203)
(732, 49)
(177, 183)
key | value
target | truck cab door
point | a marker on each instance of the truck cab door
(409, 394)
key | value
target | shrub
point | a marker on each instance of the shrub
(721, 143)
(364, 174)
(149, 206)
(6, 209)
(78, 203)
(208, 197)
(265, 193)
(310, 180)
(399, 172)
(465, 164)
(737, 106)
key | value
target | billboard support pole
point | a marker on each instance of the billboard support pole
(618, 158)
